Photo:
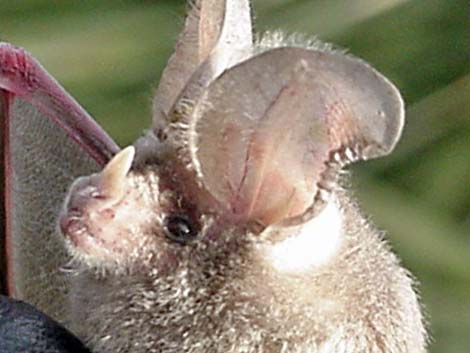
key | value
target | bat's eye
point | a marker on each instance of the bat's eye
(179, 229)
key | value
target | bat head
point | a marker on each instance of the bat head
(245, 149)
(248, 155)
(246, 136)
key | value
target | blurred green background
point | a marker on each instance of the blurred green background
(109, 55)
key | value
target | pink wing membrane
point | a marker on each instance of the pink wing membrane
(47, 141)
(266, 129)
(21, 75)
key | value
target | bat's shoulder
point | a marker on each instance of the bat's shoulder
(376, 294)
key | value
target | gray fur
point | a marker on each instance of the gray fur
(220, 296)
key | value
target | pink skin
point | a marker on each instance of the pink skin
(103, 227)
(23, 76)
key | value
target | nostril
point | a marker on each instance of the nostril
(98, 195)
(75, 211)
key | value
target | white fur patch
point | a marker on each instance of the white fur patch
(336, 343)
(313, 246)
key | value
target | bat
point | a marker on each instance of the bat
(224, 228)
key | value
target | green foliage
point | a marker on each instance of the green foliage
(109, 55)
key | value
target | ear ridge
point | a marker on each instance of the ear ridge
(339, 110)
(265, 145)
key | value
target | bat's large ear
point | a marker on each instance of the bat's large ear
(268, 135)
(219, 28)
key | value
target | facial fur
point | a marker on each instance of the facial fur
(220, 293)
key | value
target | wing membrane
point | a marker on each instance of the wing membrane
(48, 140)
(2, 195)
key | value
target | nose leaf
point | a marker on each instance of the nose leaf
(112, 178)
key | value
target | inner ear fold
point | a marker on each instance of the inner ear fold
(215, 30)
(264, 135)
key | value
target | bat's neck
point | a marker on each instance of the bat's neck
(316, 243)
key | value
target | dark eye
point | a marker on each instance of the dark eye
(179, 229)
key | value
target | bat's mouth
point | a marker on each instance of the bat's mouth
(73, 226)
(87, 240)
